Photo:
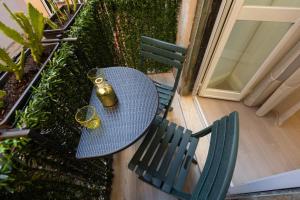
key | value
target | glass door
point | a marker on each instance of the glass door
(254, 28)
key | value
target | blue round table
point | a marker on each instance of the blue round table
(125, 123)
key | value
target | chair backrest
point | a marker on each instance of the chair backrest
(219, 166)
(163, 52)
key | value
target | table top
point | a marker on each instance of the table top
(127, 121)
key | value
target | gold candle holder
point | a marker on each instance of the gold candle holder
(105, 93)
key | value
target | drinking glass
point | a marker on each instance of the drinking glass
(95, 73)
(88, 117)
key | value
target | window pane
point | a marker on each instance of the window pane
(249, 44)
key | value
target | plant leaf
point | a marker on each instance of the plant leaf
(58, 12)
(74, 5)
(14, 16)
(11, 33)
(37, 21)
(50, 23)
(6, 59)
(10, 66)
(27, 27)
(4, 68)
(68, 5)
(21, 61)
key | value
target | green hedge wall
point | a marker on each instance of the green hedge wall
(130, 19)
(45, 167)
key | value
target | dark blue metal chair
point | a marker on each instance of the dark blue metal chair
(165, 155)
(168, 54)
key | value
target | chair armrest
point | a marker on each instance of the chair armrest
(203, 132)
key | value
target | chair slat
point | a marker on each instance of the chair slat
(166, 161)
(164, 96)
(143, 165)
(152, 170)
(164, 91)
(187, 163)
(162, 85)
(208, 162)
(221, 185)
(176, 162)
(213, 170)
(143, 147)
(167, 61)
(163, 101)
(162, 52)
(168, 151)
(162, 44)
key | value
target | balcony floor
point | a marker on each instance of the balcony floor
(265, 149)
(126, 185)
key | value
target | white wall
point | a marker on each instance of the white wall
(14, 5)
(38, 5)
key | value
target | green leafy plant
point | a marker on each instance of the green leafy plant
(68, 5)
(8, 65)
(132, 18)
(61, 16)
(33, 170)
(33, 27)
(2, 95)
(74, 5)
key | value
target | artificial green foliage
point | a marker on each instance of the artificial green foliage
(33, 28)
(8, 65)
(131, 19)
(123, 23)
(8, 149)
(37, 169)
(2, 95)
(46, 168)
(95, 37)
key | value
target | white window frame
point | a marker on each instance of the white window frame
(219, 38)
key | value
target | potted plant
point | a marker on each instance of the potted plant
(63, 16)
(24, 72)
